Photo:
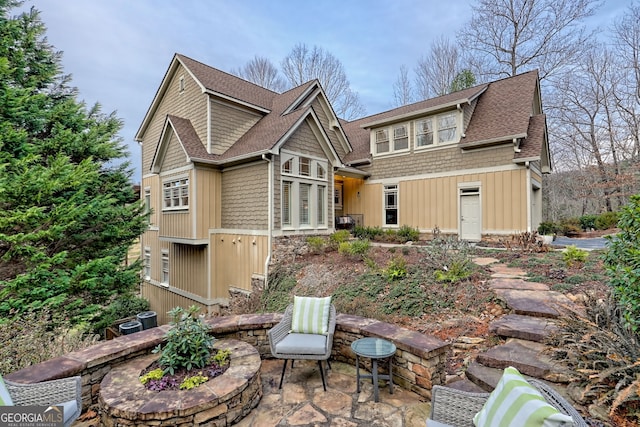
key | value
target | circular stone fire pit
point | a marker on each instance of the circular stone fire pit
(221, 401)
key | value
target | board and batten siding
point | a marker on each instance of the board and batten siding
(245, 197)
(189, 104)
(189, 269)
(208, 188)
(425, 203)
(235, 259)
(162, 300)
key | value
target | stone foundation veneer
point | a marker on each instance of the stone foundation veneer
(419, 362)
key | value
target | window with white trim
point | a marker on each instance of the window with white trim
(175, 194)
(147, 203)
(391, 205)
(304, 192)
(147, 263)
(382, 141)
(391, 139)
(437, 130)
(400, 137)
(164, 278)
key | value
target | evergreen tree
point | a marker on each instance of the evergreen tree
(68, 213)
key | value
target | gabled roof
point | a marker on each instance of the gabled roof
(187, 137)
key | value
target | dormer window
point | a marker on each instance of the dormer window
(437, 130)
(400, 138)
(382, 141)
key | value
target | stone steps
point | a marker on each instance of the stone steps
(523, 327)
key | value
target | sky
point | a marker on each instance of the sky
(117, 51)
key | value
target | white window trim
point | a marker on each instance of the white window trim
(384, 205)
(164, 273)
(436, 131)
(391, 139)
(314, 181)
(147, 263)
(181, 207)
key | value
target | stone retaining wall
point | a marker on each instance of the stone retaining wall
(418, 364)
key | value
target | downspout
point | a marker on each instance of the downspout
(270, 219)
(528, 190)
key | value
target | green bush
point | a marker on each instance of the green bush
(587, 222)
(457, 270)
(316, 243)
(546, 228)
(339, 236)
(396, 269)
(408, 234)
(356, 247)
(390, 235)
(622, 262)
(606, 221)
(188, 344)
(572, 255)
(367, 233)
(125, 305)
(568, 226)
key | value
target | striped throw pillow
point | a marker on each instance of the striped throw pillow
(5, 398)
(310, 315)
(516, 403)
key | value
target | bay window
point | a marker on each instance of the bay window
(304, 191)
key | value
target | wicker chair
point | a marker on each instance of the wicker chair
(288, 345)
(65, 392)
(457, 408)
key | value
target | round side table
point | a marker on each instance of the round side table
(375, 349)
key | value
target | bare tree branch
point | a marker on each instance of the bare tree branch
(435, 73)
(262, 72)
(402, 90)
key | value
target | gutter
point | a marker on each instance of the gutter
(267, 261)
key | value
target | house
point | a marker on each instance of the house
(235, 174)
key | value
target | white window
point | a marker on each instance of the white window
(390, 205)
(304, 192)
(400, 138)
(436, 130)
(286, 202)
(147, 203)
(175, 194)
(382, 141)
(447, 127)
(424, 132)
(164, 279)
(147, 263)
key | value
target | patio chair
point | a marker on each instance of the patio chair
(451, 407)
(297, 338)
(65, 392)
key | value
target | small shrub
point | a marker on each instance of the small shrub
(569, 226)
(338, 237)
(575, 280)
(154, 375)
(357, 247)
(396, 269)
(456, 271)
(547, 228)
(407, 233)
(221, 357)
(194, 381)
(405, 251)
(316, 243)
(390, 235)
(606, 221)
(367, 233)
(573, 255)
(587, 222)
(125, 305)
(188, 341)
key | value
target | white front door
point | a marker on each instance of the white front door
(470, 220)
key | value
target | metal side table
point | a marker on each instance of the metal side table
(374, 348)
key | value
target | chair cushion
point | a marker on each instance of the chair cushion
(295, 343)
(515, 402)
(5, 397)
(310, 315)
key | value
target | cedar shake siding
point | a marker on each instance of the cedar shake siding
(175, 157)
(228, 124)
(303, 141)
(245, 197)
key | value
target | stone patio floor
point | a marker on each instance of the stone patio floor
(303, 402)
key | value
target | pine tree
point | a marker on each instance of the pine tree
(68, 213)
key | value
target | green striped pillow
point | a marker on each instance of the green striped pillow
(310, 315)
(516, 403)
(5, 398)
